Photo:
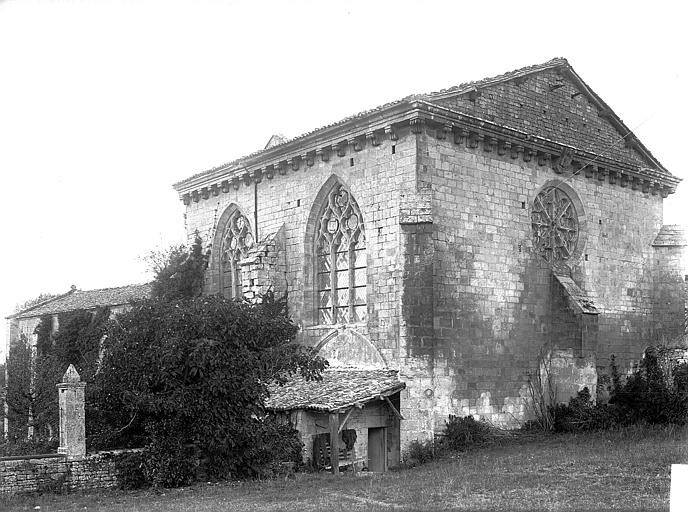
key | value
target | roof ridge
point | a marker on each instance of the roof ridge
(115, 287)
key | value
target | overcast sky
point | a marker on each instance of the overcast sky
(103, 105)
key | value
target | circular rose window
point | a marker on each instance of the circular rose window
(555, 225)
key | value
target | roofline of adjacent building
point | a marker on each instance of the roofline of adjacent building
(25, 313)
(40, 304)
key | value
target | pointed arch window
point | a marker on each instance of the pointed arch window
(341, 260)
(234, 246)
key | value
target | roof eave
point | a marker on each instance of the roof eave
(23, 313)
(386, 392)
(320, 137)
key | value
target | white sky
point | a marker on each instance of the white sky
(104, 104)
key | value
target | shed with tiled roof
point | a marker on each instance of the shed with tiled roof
(349, 405)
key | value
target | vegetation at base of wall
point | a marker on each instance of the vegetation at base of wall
(129, 468)
(654, 393)
(198, 368)
(461, 433)
(420, 452)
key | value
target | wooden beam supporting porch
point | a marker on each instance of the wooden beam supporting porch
(334, 442)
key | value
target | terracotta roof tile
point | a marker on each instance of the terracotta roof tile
(339, 388)
(671, 235)
(88, 299)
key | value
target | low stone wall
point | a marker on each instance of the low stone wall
(55, 473)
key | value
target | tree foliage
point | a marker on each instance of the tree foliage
(179, 271)
(194, 371)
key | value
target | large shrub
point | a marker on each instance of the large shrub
(654, 393)
(198, 368)
(461, 433)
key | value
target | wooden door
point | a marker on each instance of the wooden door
(377, 449)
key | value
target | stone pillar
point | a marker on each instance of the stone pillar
(72, 416)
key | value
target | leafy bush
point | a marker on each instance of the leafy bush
(129, 467)
(648, 395)
(20, 445)
(202, 365)
(652, 396)
(582, 414)
(167, 462)
(463, 433)
(271, 443)
(420, 452)
(179, 271)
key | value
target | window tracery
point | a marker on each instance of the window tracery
(341, 261)
(236, 241)
(555, 225)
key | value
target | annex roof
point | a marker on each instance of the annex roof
(671, 235)
(87, 299)
(339, 388)
(645, 160)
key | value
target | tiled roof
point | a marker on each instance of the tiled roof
(671, 235)
(339, 388)
(430, 98)
(88, 299)
(511, 75)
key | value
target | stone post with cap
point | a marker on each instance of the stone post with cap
(72, 416)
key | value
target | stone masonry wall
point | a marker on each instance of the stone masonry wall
(457, 299)
(376, 176)
(492, 294)
(57, 474)
(670, 293)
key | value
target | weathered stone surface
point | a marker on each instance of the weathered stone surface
(459, 299)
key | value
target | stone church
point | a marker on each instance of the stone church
(445, 250)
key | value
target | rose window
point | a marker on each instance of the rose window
(555, 225)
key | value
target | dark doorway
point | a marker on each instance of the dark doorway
(377, 449)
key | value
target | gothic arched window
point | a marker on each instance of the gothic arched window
(234, 246)
(341, 260)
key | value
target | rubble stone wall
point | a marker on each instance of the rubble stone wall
(57, 474)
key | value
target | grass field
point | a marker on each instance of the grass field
(627, 469)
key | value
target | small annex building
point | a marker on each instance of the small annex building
(360, 406)
(464, 239)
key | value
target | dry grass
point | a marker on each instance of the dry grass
(626, 469)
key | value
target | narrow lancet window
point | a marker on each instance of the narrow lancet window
(341, 261)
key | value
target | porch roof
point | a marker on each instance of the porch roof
(339, 388)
